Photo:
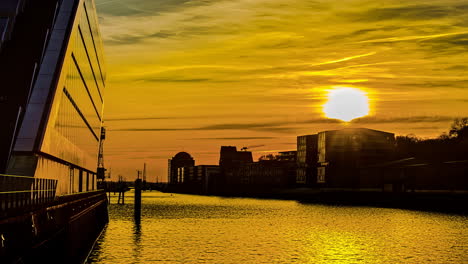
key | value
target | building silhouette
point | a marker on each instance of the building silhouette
(350, 159)
(230, 161)
(306, 173)
(274, 171)
(201, 178)
(230, 157)
(180, 160)
(341, 154)
(53, 71)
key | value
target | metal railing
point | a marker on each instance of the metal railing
(20, 193)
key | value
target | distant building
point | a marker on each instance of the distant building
(306, 172)
(278, 172)
(287, 156)
(230, 162)
(201, 178)
(229, 156)
(414, 174)
(342, 152)
(181, 159)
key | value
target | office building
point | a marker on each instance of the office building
(342, 152)
(306, 172)
(230, 162)
(201, 178)
(53, 77)
(278, 171)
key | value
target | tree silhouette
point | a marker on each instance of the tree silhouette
(268, 157)
(451, 146)
(459, 128)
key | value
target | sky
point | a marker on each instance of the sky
(195, 75)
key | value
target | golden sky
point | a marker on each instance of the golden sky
(194, 75)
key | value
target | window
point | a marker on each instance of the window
(321, 175)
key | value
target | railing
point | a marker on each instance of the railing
(20, 193)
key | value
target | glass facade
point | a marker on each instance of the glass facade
(306, 159)
(59, 134)
(321, 147)
(73, 128)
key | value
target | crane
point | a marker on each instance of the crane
(100, 168)
(250, 147)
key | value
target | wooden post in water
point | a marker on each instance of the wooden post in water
(138, 200)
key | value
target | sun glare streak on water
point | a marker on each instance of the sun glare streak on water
(346, 104)
(199, 229)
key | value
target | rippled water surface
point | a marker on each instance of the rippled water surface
(199, 229)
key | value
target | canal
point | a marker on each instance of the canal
(178, 228)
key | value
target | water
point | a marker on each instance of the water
(197, 229)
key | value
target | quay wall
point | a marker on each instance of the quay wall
(61, 232)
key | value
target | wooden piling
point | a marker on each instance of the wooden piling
(138, 200)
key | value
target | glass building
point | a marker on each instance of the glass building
(54, 99)
(342, 153)
(306, 159)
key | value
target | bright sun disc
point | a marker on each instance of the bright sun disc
(346, 104)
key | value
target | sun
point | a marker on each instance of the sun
(346, 104)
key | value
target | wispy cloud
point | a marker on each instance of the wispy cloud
(408, 38)
(132, 39)
(346, 59)
(177, 80)
(411, 12)
(145, 7)
(275, 126)
(232, 138)
(219, 70)
(285, 126)
(112, 119)
(404, 119)
(238, 126)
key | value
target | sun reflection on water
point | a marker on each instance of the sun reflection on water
(199, 229)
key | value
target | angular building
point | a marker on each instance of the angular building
(55, 91)
(52, 79)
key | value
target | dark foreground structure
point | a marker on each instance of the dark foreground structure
(52, 78)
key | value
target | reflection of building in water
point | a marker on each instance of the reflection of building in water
(342, 152)
(53, 77)
(181, 159)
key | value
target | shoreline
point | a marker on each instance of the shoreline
(440, 201)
